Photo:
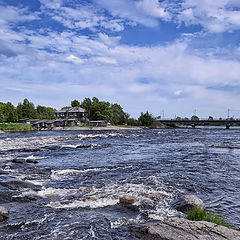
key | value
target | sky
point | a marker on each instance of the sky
(170, 57)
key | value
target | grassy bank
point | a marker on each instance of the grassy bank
(15, 127)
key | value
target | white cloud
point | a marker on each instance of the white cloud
(152, 8)
(145, 12)
(13, 14)
(176, 77)
(215, 15)
(104, 60)
(74, 59)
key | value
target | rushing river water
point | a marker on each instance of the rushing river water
(73, 191)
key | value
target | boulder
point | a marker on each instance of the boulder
(127, 200)
(182, 229)
(3, 213)
(187, 202)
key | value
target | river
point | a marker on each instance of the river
(73, 190)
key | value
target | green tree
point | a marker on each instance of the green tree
(12, 113)
(132, 122)
(195, 118)
(8, 112)
(75, 103)
(210, 118)
(119, 117)
(101, 110)
(146, 119)
(27, 110)
(88, 106)
(46, 112)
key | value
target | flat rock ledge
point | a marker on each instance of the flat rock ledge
(176, 228)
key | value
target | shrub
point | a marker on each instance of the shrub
(197, 214)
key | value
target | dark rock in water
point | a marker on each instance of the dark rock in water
(16, 184)
(18, 160)
(182, 229)
(3, 213)
(84, 146)
(187, 202)
(6, 195)
(31, 160)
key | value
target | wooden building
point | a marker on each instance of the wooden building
(76, 113)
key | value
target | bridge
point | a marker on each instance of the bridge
(194, 123)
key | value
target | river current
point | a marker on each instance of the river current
(72, 190)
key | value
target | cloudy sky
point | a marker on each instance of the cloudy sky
(176, 57)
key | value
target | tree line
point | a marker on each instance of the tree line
(103, 110)
(95, 110)
(24, 110)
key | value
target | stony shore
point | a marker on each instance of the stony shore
(176, 228)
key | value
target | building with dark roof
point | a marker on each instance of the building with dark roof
(73, 113)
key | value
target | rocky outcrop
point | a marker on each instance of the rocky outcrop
(182, 229)
(187, 202)
(3, 213)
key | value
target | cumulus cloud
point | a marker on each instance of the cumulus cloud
(216, 15)
(97, 64)
(152, 8)
(80, 16)
(145, 12)
(174, 75)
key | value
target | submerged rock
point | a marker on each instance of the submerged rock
(31, 160)
(187, 202)
(18, 160)
(3, 213)
(15, 184)
(182, 229)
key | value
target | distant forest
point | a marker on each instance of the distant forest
(95, 110)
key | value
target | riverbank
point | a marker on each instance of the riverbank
(15, 127)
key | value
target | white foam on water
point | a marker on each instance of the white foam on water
(31, 157)
(52, 192)
(106, 135)
(28, 142)
(124, 221)
(109, 195)
(95, 203)
(162, 213)
(66, 173)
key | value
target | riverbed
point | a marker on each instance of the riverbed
(67, 184)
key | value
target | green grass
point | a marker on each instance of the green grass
(196, 214)
(15, 127)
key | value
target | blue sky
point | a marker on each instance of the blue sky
(176, 57)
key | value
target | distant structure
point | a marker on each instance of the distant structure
(71, 113)
(66, 117)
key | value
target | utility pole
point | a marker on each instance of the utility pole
(228, 113)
